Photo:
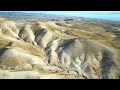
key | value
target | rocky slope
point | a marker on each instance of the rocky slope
(46, 50)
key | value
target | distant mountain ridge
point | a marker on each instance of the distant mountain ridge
(32, 16)
(40, 16)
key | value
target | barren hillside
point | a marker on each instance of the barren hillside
(66, 49)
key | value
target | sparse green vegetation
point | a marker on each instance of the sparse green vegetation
(3, 42)
(34, 50)
(54, 29)
(62, 24)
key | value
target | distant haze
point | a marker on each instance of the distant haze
(106, 15)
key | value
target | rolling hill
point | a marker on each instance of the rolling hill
(44, 46)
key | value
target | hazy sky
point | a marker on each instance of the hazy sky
(108, 15)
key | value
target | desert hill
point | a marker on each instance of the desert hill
(75, 49)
